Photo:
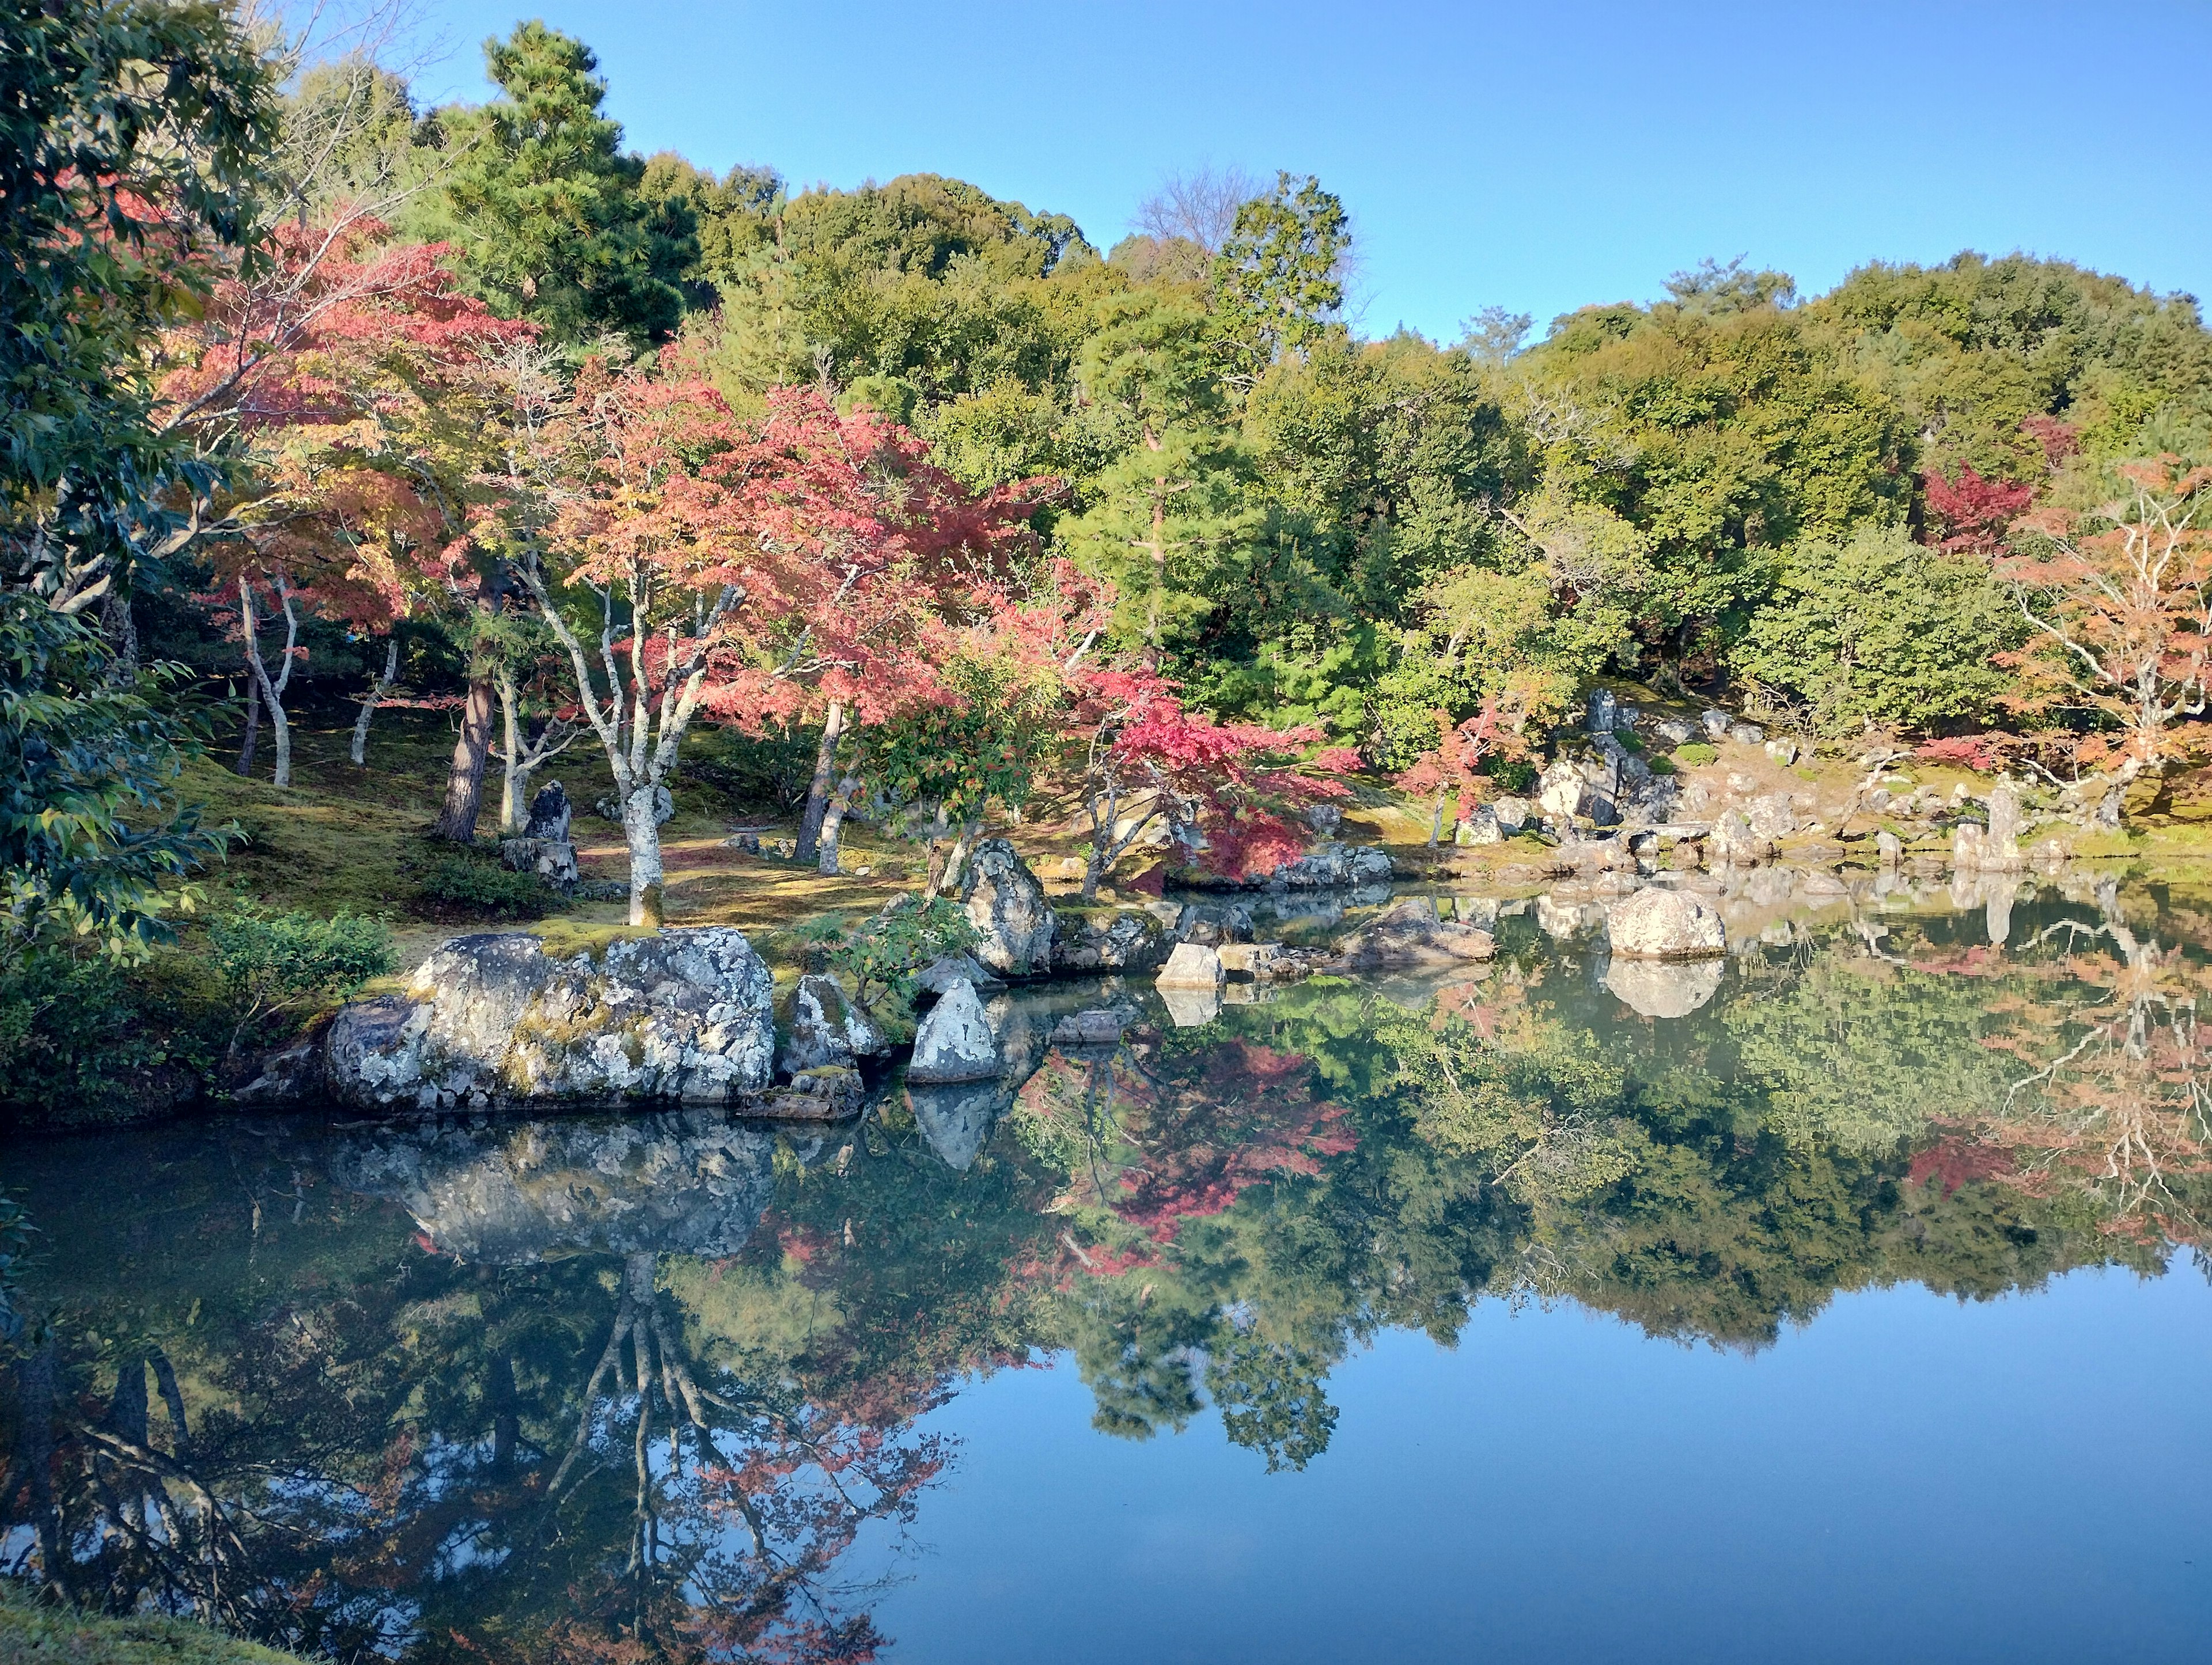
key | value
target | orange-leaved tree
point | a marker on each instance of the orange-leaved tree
(2120, 598)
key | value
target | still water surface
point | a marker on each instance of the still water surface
(1852, 1308)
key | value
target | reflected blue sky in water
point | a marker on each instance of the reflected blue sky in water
(1908, 1477)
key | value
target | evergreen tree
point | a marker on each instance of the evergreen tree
(548, 211)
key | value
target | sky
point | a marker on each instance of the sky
(1538, 157)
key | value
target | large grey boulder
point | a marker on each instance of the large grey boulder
(1409, 935)
(1192, 965)
(1770, 817)
(2001, 846)
(954, 1041)
(550, 814)
(1126, 942)
(827, 1028)
(553, 859)
(1563, 792)
(946, 969)
(683, 1016)
(1006, 902)
(1665, 925)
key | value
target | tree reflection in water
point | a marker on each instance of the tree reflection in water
(655, 1387)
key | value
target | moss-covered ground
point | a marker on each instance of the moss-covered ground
(35, 1635)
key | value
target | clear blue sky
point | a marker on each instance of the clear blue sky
(1536, 156)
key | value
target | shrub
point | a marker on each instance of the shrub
(1663, 765)
(83, 1039)
(482, 887)
(883, 953)
(1515, 776)
(1695, 755)
(273, 962)
(1631, 741)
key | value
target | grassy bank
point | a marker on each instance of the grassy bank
(33, 1635)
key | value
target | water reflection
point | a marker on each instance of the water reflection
(653, 1387)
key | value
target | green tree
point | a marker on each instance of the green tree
(549, 211)
(1278, 281)
(130, 134)
(1878, 630)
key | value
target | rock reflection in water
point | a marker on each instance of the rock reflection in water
(689, 1183)
(1664, 988)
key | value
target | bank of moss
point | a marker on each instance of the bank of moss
(37, 1634)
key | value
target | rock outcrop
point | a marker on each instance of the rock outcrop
(954, 1041)
(1326, 866)
(544, 846)
(1665, 925)
(1409, 936)
(1192, 965)
(826, 1028)
(683, 1016)
(1006, 902)
(1126, 942)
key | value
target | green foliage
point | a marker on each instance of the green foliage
(474, 884)
(131, 136)
(41, 1633)
(90, 829)
(1276, 282)
(550, 211)
(1695, 754)
(275, 961)
(884, 952)
(1880, 629)
(84, 1038)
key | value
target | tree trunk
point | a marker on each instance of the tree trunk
(457, 819)
(121, 630)
(377, 689)
(514, 781)
(1436, 821)
(818, 791)
(641, 829)
(246, 746)
(947, 878)
(368, 708)
(833, 823)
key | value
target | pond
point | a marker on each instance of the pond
(1844, 1301)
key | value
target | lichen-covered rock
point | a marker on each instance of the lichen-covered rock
(1733, 843)
(827, 1028)
(1512, 814)
(1408, 935)
(553, 859)
(1192, 965)
(682, 1017)
(946, 969)
(1770, 817)
(1715, 724)
(2001, 845)
(1006, 902)
(1326, 866)
(1126, 942)
(550, 814)
(954, 1041)
(1100, 1026)
(1749, 734)
(1665, 925)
